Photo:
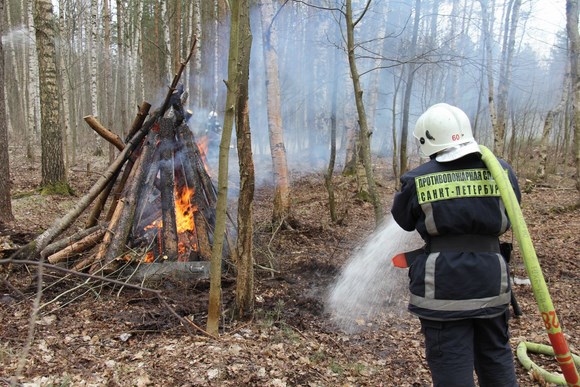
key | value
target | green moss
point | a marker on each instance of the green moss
(60, 188)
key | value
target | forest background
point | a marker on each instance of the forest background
(331, 79)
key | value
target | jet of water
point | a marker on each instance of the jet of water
(369, 284)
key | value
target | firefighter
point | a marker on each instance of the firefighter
(459, 282)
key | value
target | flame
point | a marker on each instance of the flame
(149, 257)
(203, 146)
(184, 210)
(184, 222)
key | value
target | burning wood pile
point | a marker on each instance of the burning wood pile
(162, 209)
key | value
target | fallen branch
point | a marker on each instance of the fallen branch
(104, 132)
(61, 244)
(77, 247)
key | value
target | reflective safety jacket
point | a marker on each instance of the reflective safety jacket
(456, 208)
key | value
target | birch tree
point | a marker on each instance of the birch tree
(5, 203)
(33, 87)
(108, 74)
(121, 74)
(53, 169)
(93, 69)
(165, 45)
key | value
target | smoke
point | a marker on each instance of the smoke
(17, 36)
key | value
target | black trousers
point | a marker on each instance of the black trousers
(455, 348)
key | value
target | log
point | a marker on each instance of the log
(77, 247)
(138, 120)
(93, 217)
(198, 199)
(119, 229)
(61, 244)
(104, 132)
(167, 177)
(40, 242)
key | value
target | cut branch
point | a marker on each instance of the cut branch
(77, 247)
(104, 132)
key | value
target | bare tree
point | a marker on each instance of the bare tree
(222, 195)
(411, 67)
(5, 203)
(364, 134)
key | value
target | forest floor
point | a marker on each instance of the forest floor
(90, 333)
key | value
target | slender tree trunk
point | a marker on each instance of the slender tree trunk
(403, 162)
(505, 76)
(63, 85)
(364, 134)
(93, 66)
(277, 147)
(5, 203)
(486, 31)
(244, 251)
(196, 62)
(222, 196)
(548, 125)
(166, 45)
(108, 74)
(121, 74)
(33, 84)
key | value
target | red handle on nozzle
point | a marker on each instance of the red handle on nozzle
(400, 261)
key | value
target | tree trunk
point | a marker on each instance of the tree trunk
(53, 169)
(93, 71)
(364, 135)
(486, 35)
(278, 149)
(165, 45)
(64, 87)
(33, 115)
(244, 307)
(5, 203)
(403, 162)
(512, 18)
(215, 270)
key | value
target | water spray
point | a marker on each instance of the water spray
(560, 350)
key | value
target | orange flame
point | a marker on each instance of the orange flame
(184, 222)
(184, 210)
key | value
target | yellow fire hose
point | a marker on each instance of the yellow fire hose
(559, 349)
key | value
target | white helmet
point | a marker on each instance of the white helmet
(445, 130)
